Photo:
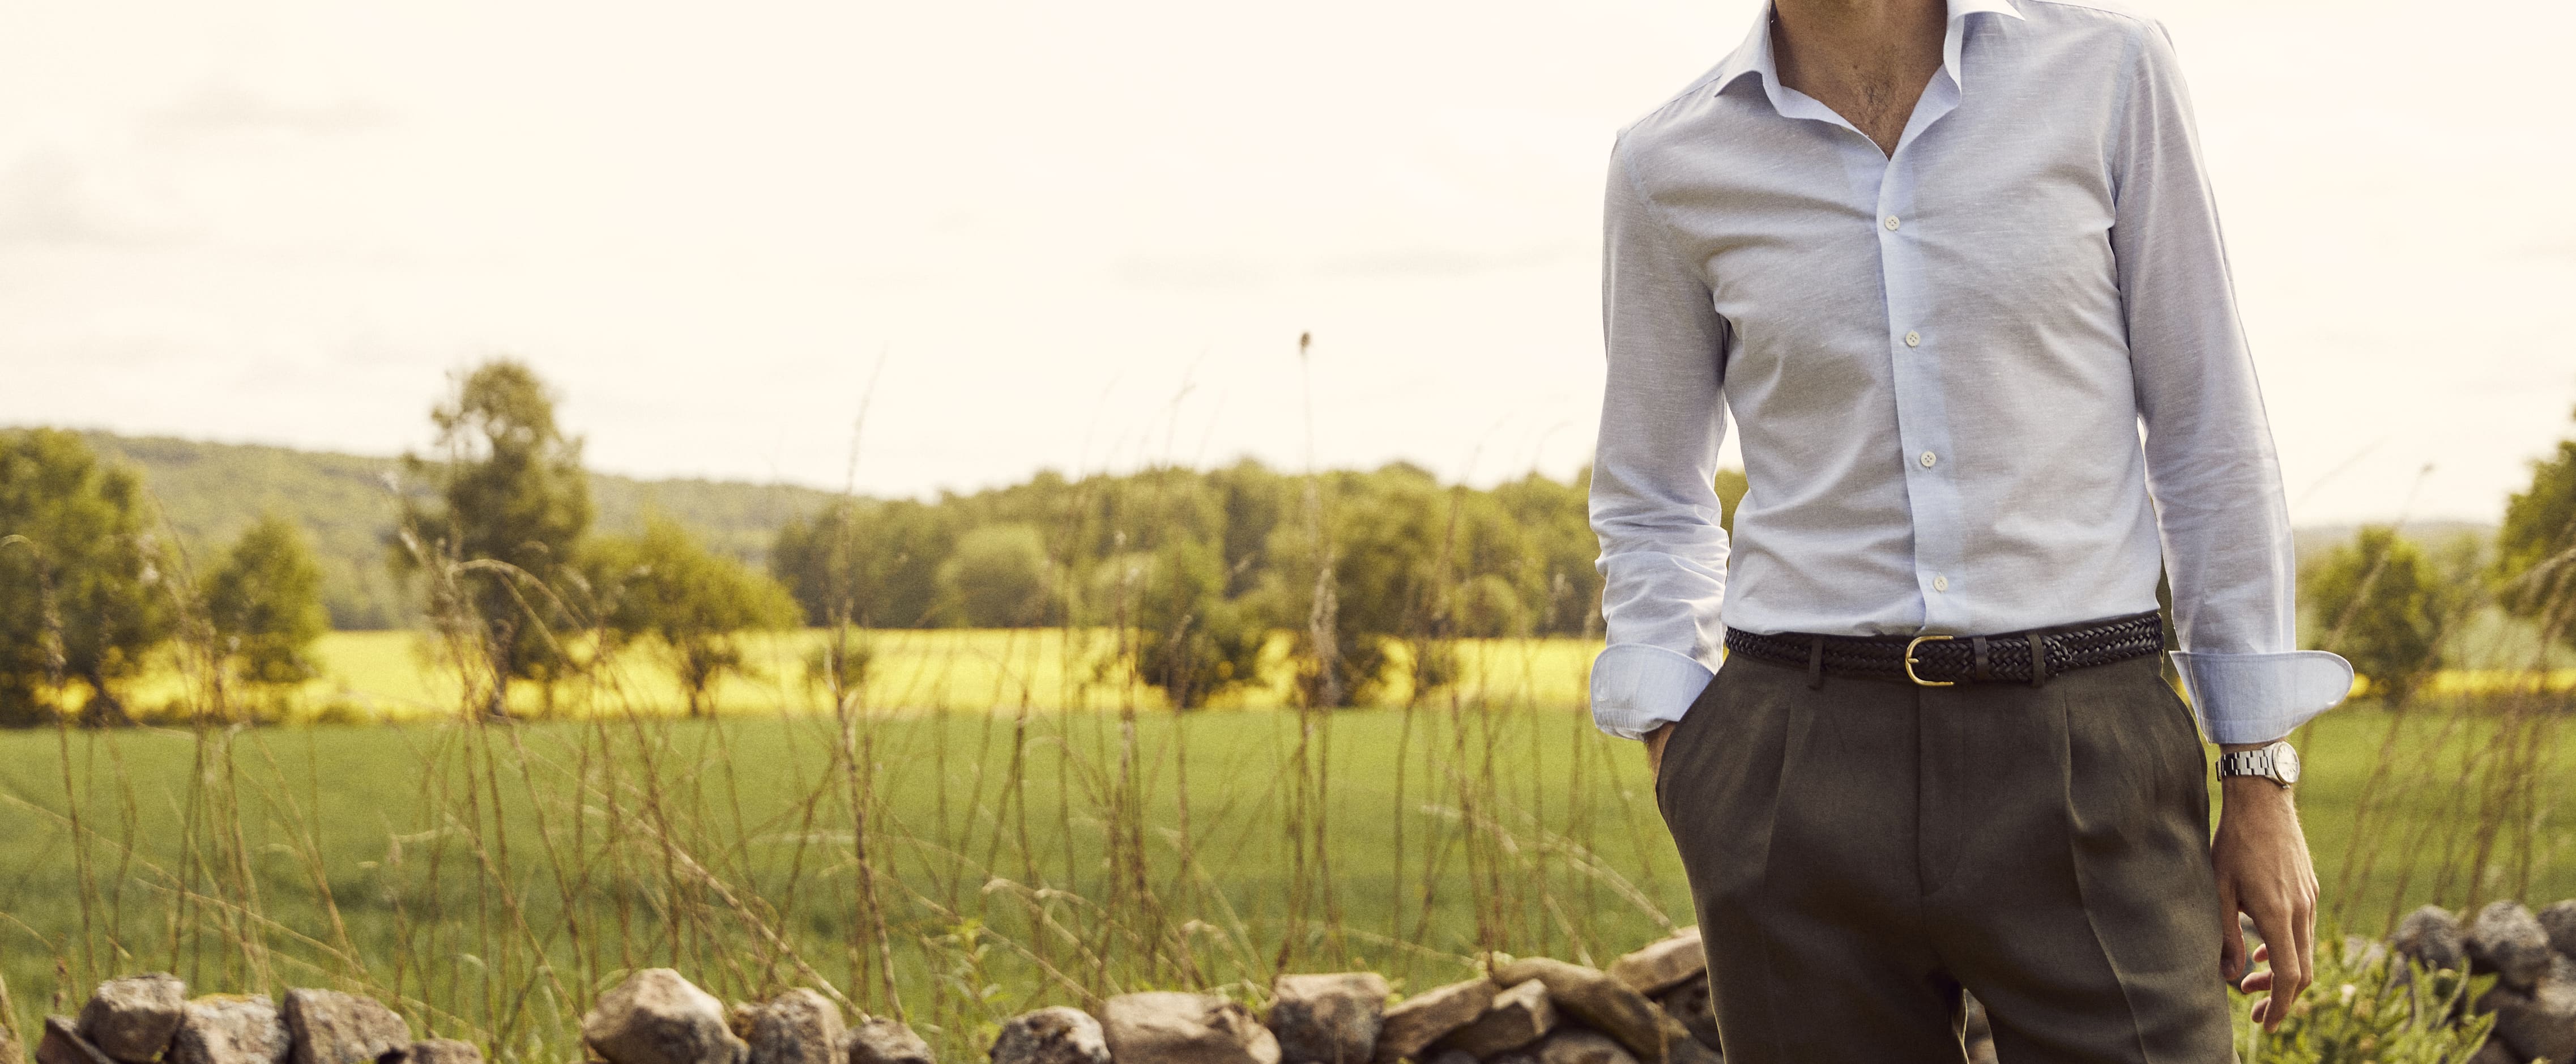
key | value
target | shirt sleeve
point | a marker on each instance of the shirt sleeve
(1654, 497)
(2210, 464)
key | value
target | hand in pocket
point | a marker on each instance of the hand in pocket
(1655, 749)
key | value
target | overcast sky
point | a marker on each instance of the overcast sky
(1087, 235)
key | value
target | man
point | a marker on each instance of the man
(1958, 275)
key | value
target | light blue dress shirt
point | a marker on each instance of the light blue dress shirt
(1989, 382)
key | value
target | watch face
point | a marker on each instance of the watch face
(2285, 763)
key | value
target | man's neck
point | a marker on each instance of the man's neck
(1866, 59)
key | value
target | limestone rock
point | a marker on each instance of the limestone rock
(2507, 940)
(1520, 1015)
(445, 1051)
(885, 1040)
(231, 1029)
(1411, 1025)
(1690, 1005)
(1175, 1027)
(2540, 1022)
(1327, 1019)
(2560, 921)
(132, 1019)
(1461, 1056)
(657, 1017)
(1056, 1035)
(1682, 1047)
(1599, 1001)
(62, 1044)
(329, 1027)
(2431, 936)
(797, 1027)
(1663, 965)
(1577, 1046)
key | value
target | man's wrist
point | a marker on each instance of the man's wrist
(2275, 763)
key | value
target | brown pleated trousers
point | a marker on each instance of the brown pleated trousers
(1861, 850)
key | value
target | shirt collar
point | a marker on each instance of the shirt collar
(1754, 57)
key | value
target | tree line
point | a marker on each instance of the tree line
(1367, 577)
(1366, 574)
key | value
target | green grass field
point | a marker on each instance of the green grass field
(490, 879)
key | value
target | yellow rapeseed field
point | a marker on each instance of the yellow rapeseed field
(399, 675)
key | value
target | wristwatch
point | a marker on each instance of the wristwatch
(2278, 762)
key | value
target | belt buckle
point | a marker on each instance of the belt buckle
(1911, 662)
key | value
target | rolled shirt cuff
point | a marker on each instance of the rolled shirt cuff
(1637, 687)
(2254, 698)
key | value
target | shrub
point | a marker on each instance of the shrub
(2370, 1006)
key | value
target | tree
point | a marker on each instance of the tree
(997, 578)
(2536, 548)
(666, 586)
(865, 562)
(1253, 501)
(1561, 589)
(511, 504)
(81, 595)
(265, 603)
(2381, 604)
(1375, 579)
(1188, 638)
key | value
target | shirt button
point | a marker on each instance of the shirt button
(1913, 339)
(1928, 459)
(1891, 223)
(1940, 583)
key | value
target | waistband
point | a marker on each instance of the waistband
(1944, 660)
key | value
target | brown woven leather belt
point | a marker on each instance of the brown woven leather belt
(1943, 660)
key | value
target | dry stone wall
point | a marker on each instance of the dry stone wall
(2533, 957)
(1648, 1007)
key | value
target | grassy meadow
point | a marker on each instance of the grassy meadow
(956, 868)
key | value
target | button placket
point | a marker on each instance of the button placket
(1921, 411)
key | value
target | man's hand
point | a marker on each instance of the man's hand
(1655, 750)
(2264, 872)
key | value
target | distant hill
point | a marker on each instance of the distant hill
(209, 492)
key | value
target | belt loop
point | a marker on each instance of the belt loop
(2038, 659)
(1815, 662)
(1979, 643)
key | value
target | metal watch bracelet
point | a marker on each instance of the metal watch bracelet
(2277, 761)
